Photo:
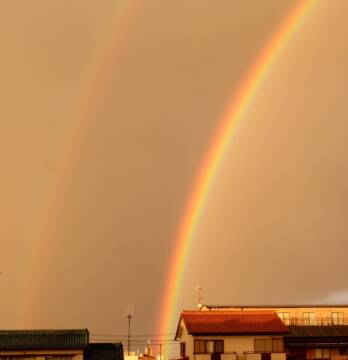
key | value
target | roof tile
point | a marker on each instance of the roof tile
(43, 339)
(233, 322)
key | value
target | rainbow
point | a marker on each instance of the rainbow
(213, 159)
(50, 208)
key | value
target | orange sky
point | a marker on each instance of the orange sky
(274, 227)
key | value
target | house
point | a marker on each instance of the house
(72, 344)
(231, 335)
(43, 344)
(315, 331)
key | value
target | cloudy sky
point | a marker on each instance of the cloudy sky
(107, 108)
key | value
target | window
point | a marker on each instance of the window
(275, 345)
(263, 345)
(309, 318)
(310, 354)
(337, 318)
(343, 351)
(209, 346)
(182, 349)
(285, 317)
(199, 347)
(218, 346)
(322, 354)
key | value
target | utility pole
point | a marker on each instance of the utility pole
(129, 315)
(129, 329)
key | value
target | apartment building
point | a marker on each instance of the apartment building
(231, 335)
(299, 315)
(316, 332)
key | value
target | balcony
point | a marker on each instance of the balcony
(264, 356)
(202, 356)
(229, 356)
(251, 356)
(278, 356)
(223, 356)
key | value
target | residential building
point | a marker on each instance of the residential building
(43, 344)
(72, 344)
(231, 335)
(315, 331)
(300, 315)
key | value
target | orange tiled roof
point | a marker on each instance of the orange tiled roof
(233, 322)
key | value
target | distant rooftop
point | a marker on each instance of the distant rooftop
(272, 306)
(44, 339)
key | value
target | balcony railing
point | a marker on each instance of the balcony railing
(317, 321)
(250, 355)
(223, 356)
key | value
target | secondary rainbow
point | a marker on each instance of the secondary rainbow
(47, 214)
(214, 157)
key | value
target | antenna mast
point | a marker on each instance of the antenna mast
(199, 296)
(129, 315)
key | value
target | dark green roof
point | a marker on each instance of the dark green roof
(317, 336)
(44, 339)
(311, 331)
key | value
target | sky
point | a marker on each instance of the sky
(107, 109)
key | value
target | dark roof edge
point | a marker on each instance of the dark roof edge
(46, 331)
(239, 333)
(178, 327)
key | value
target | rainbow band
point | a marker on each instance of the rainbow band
(47, 214)
(214, 157)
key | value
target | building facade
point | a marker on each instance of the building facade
(231, 335)
(297, 315)
(316, 332)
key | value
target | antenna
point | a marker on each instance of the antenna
(129, 315)
(199, 296)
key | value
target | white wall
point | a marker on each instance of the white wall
(238, 344)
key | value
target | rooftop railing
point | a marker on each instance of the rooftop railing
(317, 321)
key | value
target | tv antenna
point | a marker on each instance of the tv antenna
(199, 296)
(129, 315)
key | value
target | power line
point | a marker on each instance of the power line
(144, 341)
(146, 345)
(135, 335)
